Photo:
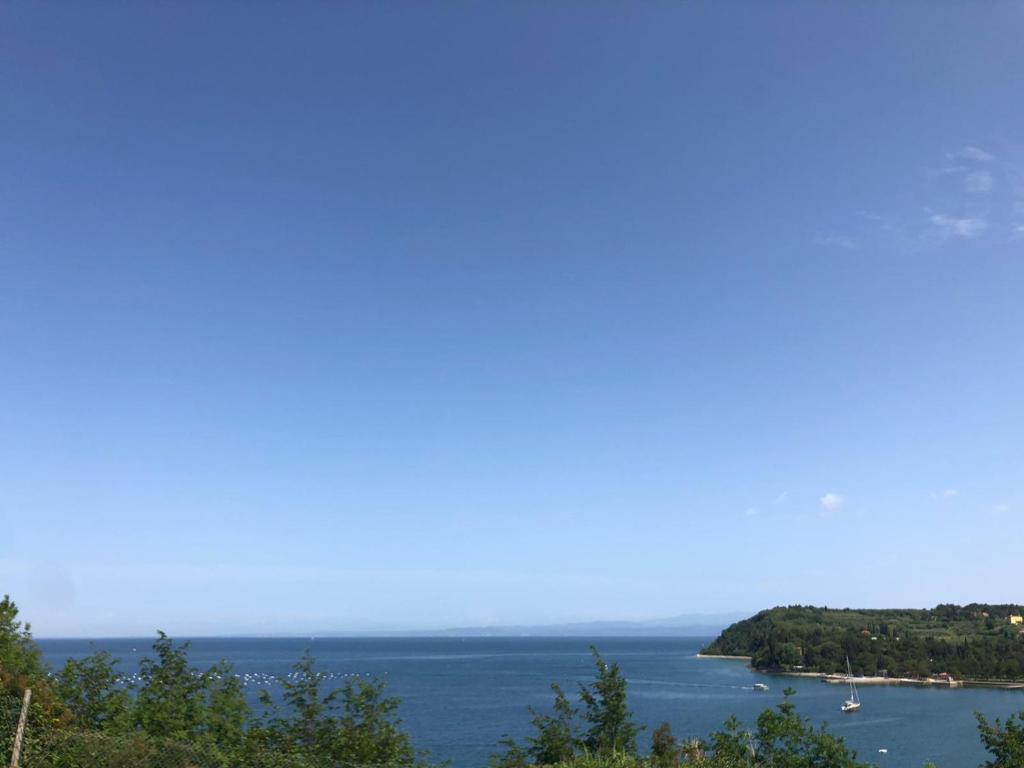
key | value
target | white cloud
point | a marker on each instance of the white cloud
(978, 182)
(750, 512)
(781, 498)
(965, 227)
(945, 493)
(832, 502)
(972, 153)
(1000, 508)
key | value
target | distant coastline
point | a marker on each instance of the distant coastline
(684, 625)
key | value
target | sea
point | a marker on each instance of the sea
(460, 696)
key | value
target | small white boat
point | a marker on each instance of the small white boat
(760, 687)
(852, 704)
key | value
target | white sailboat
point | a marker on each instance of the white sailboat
(852, 704)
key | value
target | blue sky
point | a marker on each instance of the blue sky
(371, 316)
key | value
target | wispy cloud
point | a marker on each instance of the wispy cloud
(968, 226)
(974, 193)
(781, 498)
(971, 153)
(1001, 508)
(978, 182)
(945, 493)
(750, 512)
(832, 502)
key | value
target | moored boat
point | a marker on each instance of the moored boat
(852, 704)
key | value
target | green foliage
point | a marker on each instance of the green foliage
(21, 664)
(88, 688)
(176, 701)
(612, 729)
(976, 641)
(513, 755)
(619, 760)
(781, 739)
(227, 714)
(356, 724)
(307, 724)
(1004, 740)
(559, 738)
(665, 751)
(369, 732)
(97, 749)
(557, 733)
(169, 703)
(21, 667)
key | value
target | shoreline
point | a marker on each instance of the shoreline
(722, 656)
(927, 682)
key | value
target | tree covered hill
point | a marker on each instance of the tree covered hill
(975, 641)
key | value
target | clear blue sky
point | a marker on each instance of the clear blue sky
(379, 315)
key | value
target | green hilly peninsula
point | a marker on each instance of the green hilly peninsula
(974, 642)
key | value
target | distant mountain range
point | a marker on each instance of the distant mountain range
(692, 624)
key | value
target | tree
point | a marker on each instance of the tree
(308, 725)
(557, 735)
(88, 687)
(21, 667)
(731, 746)
(785, 740)
(356, 724)
(178, 702)
(665, 751)
(370, 732)
(555, 740)
(227, 712)
(514, 755)
(21, 664)
(975, 641)
(612, 729)
(1004, 740)
(170, 701)
(787, 654)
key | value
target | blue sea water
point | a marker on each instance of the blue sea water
(461, 695)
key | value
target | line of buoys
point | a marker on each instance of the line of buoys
(131, 679)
